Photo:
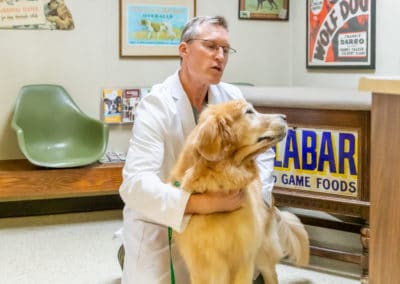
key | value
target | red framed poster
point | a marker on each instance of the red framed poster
(341, 34)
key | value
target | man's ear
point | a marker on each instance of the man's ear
(182, 48)
(213, 137)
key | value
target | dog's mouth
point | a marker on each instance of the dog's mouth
(267, 138)
(271, 138)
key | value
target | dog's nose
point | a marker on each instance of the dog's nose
(283, 117)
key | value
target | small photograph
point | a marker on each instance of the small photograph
(112, 105)
(59, 15)
(130, 100)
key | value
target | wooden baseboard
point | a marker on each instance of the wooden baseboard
(336, 254)
(59, 206)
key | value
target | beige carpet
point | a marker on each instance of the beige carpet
(79, 249)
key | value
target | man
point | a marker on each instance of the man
(163, 120)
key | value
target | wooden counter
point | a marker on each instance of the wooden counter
(323, 111)
(20, 180)
(385, 179)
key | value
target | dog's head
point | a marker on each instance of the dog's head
(235, 130)
(113, 103)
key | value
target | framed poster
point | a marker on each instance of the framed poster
(341, 34)
(153, 27)
(264, 10)
(35, 15)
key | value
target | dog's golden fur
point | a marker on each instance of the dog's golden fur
(219, 156)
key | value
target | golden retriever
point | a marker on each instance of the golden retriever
(219, 156)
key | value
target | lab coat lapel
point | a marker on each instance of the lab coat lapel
(213, 95)
(183, 104)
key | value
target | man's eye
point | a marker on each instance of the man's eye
(212, 46)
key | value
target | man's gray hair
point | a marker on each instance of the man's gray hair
(191, 29)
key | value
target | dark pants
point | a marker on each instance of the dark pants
(259, 280)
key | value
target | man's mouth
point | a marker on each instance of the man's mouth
(219, 69)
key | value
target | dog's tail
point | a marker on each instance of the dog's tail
(293, 237)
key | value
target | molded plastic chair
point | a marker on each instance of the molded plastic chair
(53, 132)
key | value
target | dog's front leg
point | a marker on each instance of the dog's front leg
(244, 275)
(215, 272)
(204, 277)
(268, 257)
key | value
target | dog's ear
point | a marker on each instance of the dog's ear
(213, 138)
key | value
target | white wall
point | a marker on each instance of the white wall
(86, 59)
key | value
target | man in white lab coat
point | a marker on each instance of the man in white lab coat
(163, 120)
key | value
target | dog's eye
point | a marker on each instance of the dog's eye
(249, 111)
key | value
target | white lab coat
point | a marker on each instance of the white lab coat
(163, 120)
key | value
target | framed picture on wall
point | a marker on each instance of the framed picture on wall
(152, 27)
(341, 34)
(264, 10)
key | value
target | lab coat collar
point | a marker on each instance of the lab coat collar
(183, 103)
(213, 95)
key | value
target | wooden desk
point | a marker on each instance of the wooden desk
(385, 179)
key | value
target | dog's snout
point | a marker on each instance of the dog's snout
(283, 117)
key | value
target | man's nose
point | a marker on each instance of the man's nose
(220, 52)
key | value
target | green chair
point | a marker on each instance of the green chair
(53, 132)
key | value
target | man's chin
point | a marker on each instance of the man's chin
(215, 80)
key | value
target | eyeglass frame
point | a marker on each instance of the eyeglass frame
(226, 49)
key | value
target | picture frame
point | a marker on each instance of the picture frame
(152, 27)
(275, 10)
(340, 34)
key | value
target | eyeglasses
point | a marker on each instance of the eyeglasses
(214, 47)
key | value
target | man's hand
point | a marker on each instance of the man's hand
(207, 203)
